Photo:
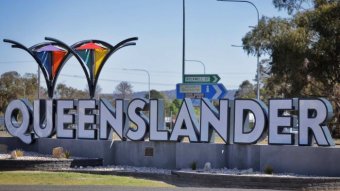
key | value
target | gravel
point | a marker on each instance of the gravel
(32, 156)
(29, 156)
(125, 169)
(244, 172)
(221, 171)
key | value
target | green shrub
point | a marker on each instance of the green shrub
(193, 165)
(67, 154)
(268, 169)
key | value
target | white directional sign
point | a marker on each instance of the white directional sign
(210, 91)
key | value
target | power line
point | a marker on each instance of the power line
(151, 71)
(135, 82)
(19, 61)
(112, 80)
(174, 72)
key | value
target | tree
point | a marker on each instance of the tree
(246, 90)
(14, 86)
(96, 92)
(65, 92)
(8, 88)
(290, 5)
(154, 94)
(124, 90)
(30, 82)
(175, 106)
(304, 50)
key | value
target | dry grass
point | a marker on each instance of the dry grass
(337, 141)
(63, 178)
(4, 134)
(19, 152)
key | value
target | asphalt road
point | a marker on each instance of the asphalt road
(112, 188)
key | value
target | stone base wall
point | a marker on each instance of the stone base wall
(259, 182)
(11, 164)
(317, 161)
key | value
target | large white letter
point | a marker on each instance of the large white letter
(137, 117)
(259, 110)
(212, 119)
(277, 122)
(186, 124)
(157, 128)
(313, 116)
(111, 118)
(65, 119)
(13, 126)
(126, 122)
(86, 119)
(43, 118)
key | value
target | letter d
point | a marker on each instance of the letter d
(260, 112)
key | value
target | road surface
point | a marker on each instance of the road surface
(112, 188)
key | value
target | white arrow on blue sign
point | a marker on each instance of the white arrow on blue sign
(210, 91)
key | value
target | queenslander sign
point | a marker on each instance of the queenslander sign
(92, 119)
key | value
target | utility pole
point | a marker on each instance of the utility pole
(183, 56)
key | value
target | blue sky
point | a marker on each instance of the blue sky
(211, 28)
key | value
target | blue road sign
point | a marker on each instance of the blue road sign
(197, 91)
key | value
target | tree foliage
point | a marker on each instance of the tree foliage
(124, 90)
(246, 90)
(154, 94)
(14, 86)
(290, 5)
(169, 106)
(175, 106)
(63, 91)
(304, 50)
(96, 92)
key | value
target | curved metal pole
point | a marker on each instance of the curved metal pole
(38, 82)
(70, 50)
(141, 70)
(237, 46)
(257, 47)
(18, 45)
(249, 2)
(29, 50)
(112, 49)
(122, 44)
(198, 62)
(91, 80)
(65, 59)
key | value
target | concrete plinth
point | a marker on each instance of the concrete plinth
(319, 161)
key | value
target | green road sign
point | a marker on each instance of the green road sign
(201, 78)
